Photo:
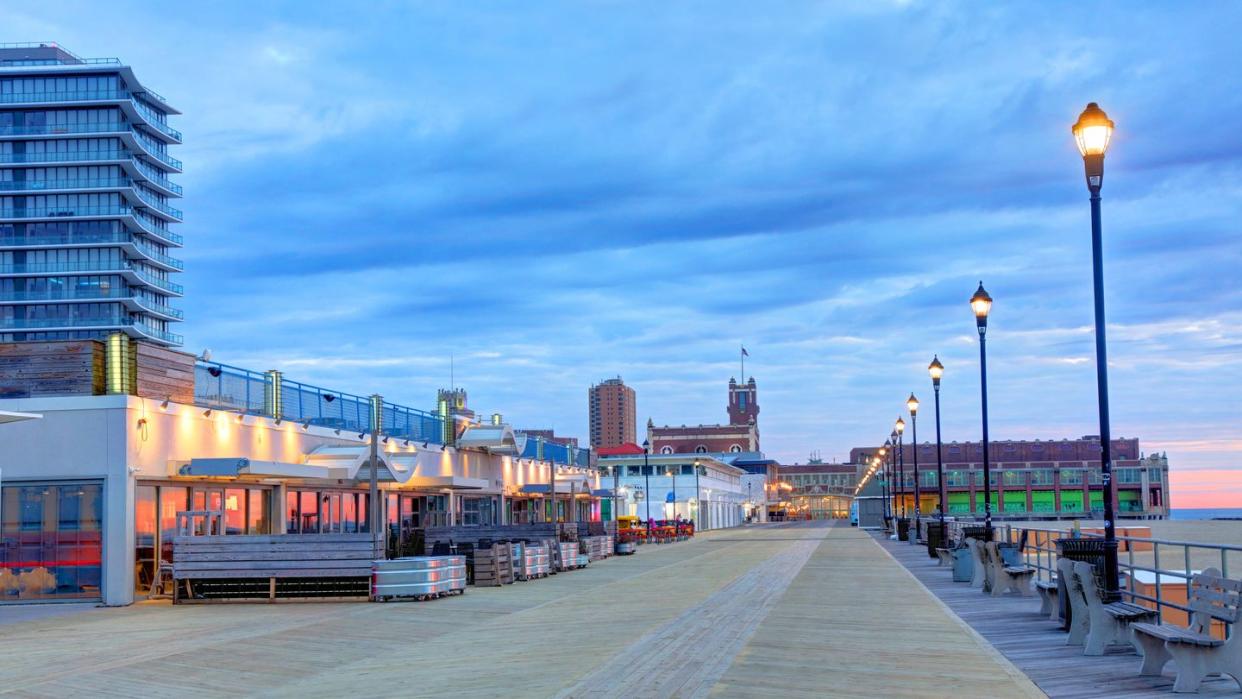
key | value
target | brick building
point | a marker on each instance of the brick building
(741, 434)
(1037, 477)
(612, 412)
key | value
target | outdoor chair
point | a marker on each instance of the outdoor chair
(1195, 650)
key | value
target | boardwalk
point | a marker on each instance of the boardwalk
(794, 610)
(1037, 647)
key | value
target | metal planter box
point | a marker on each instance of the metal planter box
(418, 577)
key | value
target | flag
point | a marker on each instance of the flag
(745, 353)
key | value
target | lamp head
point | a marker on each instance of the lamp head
(981, 304)
(936, 369)
(1093, 131)
(900, 426)
(912, 404)
(646, 446)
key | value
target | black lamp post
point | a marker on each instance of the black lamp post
(647, 487)
(912, 404)
(1092, 132)
(981, 304)
(698, 500)
(882, 464)
(936, 369)
(900, 428)
(672, 473)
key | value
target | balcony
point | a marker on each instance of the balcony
(65, 185)
(124, 267)
(126, 131)
(128, 297)
(133, 107)
(141, 221)
(135, 327)
(153, 203)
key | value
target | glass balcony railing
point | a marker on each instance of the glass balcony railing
(149, 116)
(105, 238)
(73, 156)
(157, 229)
(66, 295)
(157, 177)
(159, 256)
(156, 281)
(67, 212)
(151, 201)
(87, 296)
(45, 323)
(153, 307)
(45, 185)
(162, 335)
(65, 267)
(98, 128)
(118, 266)
(102, 322)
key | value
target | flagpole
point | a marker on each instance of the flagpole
(742, 356)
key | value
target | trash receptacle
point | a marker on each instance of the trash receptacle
(935, 538)
(903, 529)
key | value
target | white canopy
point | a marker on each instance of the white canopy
(7, 416)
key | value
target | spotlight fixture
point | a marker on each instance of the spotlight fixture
(424, 445)
(164, 405)
(306, 425)
(142, 423)
(361, 435)
(207, 412)
(328, 398)
(215, 371)
(279, 420)
(407, 443)
(337, 430)
(385, 441)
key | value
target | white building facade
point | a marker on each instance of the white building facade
(665, 486)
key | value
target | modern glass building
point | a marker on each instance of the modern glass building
(86, 246)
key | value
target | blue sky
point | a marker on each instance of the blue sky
(557, 193)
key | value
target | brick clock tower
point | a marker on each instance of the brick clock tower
(741, 434)
(743, 405)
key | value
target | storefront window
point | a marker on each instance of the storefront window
(259, 516)
(234, 511)
(144, 538)
(50, 541)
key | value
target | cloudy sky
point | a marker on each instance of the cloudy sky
(557, 193)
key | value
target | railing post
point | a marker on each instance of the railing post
(273, 402)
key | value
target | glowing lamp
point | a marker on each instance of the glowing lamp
(981, 304)
(936, 369)
(1093, 131)
(912, 404)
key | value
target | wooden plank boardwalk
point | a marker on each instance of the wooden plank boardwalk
(796, 610)
(1014, 626)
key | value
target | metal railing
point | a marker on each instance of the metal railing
(1193, 556)
(220, 386)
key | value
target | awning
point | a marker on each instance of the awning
(498, 439)
(561, 488)
(10, 416)
(234, 467)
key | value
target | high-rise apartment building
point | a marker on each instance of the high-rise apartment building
(85, 240)
(613, 415)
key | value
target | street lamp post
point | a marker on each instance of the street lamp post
(647, 487)
(1092, 132)
(886, 485)
(936, 369)
(912, 404)
(981, 304)
(672, 473)
(616, 485)
(900, 428)
(698, 499)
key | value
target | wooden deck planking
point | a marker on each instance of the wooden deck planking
(1032, 642)
(797, 609)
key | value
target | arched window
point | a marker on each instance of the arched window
(700, 449)
(666, 450)
(735, 449)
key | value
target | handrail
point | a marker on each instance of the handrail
(1044, 548)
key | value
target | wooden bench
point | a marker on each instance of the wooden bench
(251, 568)
(1193, 648)
(1107, 623)
(1006, 578)
(1048, 598)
